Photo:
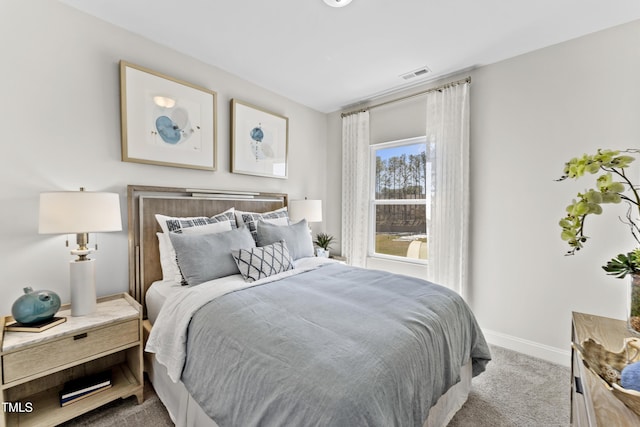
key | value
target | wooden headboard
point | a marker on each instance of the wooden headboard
(143, 202)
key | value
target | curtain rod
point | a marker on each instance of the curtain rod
(404, 98)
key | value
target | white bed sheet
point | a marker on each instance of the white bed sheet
(156, 295)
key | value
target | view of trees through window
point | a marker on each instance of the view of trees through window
(401, 187)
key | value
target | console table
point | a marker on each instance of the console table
(592, 404)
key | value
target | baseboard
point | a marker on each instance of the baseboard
(531, 348)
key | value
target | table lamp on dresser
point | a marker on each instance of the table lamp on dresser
(80, 212)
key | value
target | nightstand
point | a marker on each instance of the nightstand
(36, 365)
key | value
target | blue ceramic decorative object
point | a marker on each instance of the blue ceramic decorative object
(35, 306)
(630, 376)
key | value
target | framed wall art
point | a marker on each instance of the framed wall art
(166, 121)
(259, 141)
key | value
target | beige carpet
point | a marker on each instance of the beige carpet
(516, 390)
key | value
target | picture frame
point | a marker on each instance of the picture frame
(166, 121)
(259, 141)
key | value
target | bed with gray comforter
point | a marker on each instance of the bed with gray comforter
(335, 346)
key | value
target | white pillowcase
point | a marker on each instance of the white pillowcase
(168, 263)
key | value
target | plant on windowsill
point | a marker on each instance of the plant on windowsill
(323, 242)
(614, 165)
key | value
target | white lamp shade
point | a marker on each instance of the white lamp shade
(311, 210)
(79, 212)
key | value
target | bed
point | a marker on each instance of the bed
(311, 341)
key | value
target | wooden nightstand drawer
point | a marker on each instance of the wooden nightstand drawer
(67, 350)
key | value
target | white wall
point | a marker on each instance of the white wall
(60, 115)
(529, 115)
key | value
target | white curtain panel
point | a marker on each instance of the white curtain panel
(448, 129)
(355, 188)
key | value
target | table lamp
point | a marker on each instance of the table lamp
(311, 210)
(80, 212)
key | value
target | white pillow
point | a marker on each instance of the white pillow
(168, 263)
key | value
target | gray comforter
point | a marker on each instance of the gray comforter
(336, 346)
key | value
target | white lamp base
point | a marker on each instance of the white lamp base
(83, 287)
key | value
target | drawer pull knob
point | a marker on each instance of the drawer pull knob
(80, 336)
(578, 383)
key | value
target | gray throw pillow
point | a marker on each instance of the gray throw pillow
(297, 237)
(203, 257)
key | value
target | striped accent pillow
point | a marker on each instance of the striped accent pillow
(250, 219)
(170, 224)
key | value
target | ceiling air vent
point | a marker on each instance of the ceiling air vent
(420, 72)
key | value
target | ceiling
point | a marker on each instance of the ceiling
(331, 58)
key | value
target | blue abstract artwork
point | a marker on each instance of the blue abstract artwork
(168, 130)
(172, 124)
(260, 149)
(166, 121)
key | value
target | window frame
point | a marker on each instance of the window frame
(373, 202)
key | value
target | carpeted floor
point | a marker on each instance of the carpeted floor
(515, 391)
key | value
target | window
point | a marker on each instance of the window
(400, 199)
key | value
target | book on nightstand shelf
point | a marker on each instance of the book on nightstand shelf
(34, 327)
(80, 388)
(70, 400)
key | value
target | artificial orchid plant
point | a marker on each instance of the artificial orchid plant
(613, 185)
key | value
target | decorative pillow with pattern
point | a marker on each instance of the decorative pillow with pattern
(240, 221)
(277, 217)
(257, 263)
(224, 221)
